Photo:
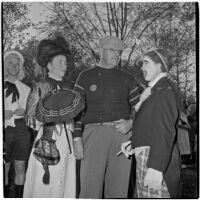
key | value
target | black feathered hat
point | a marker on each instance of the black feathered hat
(47, 49)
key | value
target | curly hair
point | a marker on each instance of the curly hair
(8, 55)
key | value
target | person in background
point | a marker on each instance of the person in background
(183, 135)
(111, 95)
(58, 180)
(192, 119)
(154, 140)
(17, 138)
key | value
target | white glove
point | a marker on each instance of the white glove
(127, 149)
(153, 179)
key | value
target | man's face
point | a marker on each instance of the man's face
(13, 63)
(111, 57)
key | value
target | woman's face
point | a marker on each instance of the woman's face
(58, 66)
(150, 69)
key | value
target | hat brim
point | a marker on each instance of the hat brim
(52, 109)
(68, 117)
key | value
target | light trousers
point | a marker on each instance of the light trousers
(101, 169)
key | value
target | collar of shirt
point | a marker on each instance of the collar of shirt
(161, 75)
(54, 77)
(106, 69)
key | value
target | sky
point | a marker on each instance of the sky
(37, 13)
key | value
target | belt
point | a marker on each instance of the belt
(19, 119)
(104, 124)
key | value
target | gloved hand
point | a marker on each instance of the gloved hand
(127, 149)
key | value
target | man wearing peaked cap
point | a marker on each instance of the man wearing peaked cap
(111, 95)
(111, 42)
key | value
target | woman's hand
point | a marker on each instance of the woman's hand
(78, 148)
(19, 111)
(126, 149)
(30, 121)
(153, 179)
(8, 114)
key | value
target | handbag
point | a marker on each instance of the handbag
(46, 152)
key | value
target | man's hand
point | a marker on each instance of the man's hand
(123, 126)
(8, 114)
(19, 111)
(78, 148)
(153, 179)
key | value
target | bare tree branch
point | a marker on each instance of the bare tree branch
(89, 19)
(112, 19)
(78, 36)
(108, 17)
(97, 14)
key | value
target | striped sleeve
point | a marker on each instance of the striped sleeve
(78, 125)
(78, 121)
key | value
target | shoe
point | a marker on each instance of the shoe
(19, 191)
(6, 191)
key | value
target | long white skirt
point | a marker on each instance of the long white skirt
(62, 176)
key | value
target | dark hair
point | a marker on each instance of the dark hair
(48, 49)
(153, 54)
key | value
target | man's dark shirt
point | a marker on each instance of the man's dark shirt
(110, 95)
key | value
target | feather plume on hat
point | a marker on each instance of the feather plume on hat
(47, 49)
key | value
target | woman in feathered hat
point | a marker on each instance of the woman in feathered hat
(51, 107)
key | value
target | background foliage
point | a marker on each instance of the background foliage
(141, 25)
